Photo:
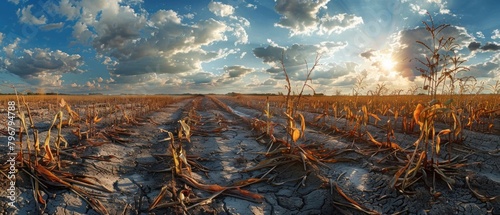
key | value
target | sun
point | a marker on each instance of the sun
(387, 64)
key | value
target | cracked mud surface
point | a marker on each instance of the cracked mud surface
(136, 174)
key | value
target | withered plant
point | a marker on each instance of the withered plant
(285, 152)
(441, 60)
(425, 162)
(43, 164)
(441, 63)
(181, 166)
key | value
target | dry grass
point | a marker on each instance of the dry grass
(46, 162)
(437, 126)
(180, 167)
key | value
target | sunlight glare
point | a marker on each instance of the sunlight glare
(388, 64)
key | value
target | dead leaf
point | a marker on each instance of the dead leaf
(416, 114)
(295, 134)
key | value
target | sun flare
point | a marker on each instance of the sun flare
(387, 64)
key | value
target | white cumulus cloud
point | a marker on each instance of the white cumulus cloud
(495, 34)
(300, 17)
(220, 9)
(339, 23)
(43, 67)
(25, 16)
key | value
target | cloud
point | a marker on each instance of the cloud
(140, 46)
(490, 47)
(90, 85)
(90, 11)
(237, 71)
(220, 9)
(416, 9)
(200, 78)
(43, 67)
(231, 75)
(251, 6)
(52, 26)
(495, 34)
(134, 2)
(299, 16)
(9, 49)
(241, 35)
(171, 37)
(95, 84)
(163, 17)
(269, 54)
(134, 45)
(174, 48)
(45, 79)
(25, 16)
(189, 16)
(14, 1)
(257, 85)
(159, 64)
(173, 81)
(82, 33)
(138, 49)
(298, 58)
(334, 70)
(67, 9)
(1, 37)
(480, 34)
(139, 79)
(117, 28)
(442, 7)
(295, 54)
(270, 82)
(473, 46)
(368, 54)
(338, 23)
(482, 70)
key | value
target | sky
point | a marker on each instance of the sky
(202, 46)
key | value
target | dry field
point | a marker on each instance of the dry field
(253, 155)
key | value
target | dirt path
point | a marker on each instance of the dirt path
(236, 149)
(226, 154)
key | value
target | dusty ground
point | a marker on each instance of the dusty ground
(136, 172)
